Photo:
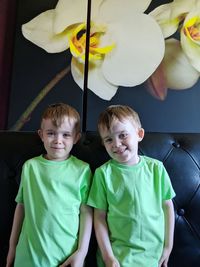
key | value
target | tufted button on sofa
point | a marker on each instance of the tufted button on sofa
(180, 154)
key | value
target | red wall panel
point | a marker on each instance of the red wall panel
(7, 20)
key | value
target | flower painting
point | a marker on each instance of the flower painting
(141, 53)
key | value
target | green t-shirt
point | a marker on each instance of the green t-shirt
(132, 196)
(52, 192)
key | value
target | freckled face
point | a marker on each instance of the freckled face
(58, 141)
(121, 141)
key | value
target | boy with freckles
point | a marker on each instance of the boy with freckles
(131, 196)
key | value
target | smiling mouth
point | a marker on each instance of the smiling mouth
(119, 152)
(57, 148)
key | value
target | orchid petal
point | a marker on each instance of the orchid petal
(132, 61)
(96, 80)
(191, 41)
(39, 31)
(162, 14)
(68, 12)
(187, 3)
(170, 15)
(112, 10)
(179, 72)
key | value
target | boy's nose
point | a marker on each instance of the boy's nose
(57, 139)
(116, 142)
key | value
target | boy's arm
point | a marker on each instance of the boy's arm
(169, 232)
(85, 229)
(102, 235)
(16, 229)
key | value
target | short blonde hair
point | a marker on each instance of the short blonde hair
(119, 112)
(57, 113)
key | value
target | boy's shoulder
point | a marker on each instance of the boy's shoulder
(79, 161)
(32, 160)
(105, 165)
(150, 160)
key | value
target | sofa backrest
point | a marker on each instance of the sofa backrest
(180, 154)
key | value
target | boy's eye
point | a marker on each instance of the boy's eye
(50, 133)
(66, 135)
(108, 140)
(123, 135)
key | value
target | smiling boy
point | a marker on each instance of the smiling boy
(131, 196)
(52, 223)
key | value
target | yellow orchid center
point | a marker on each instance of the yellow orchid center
(77, 43)
(192, 29)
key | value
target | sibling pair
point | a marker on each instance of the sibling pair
(131, 196)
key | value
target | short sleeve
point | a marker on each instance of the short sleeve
(167, 189)
(85, 185)
(97, 196)
(19, 197)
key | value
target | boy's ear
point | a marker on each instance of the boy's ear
(40, 134)
(77, 138)
(140, 134)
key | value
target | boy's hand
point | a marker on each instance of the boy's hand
(75, 260)
(164, 258)
(112, 262)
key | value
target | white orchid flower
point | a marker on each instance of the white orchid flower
(178, 72)
(190, 37)
(170, 15)
(181, 62)
(126, 45)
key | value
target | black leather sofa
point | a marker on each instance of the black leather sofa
(179, 152)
